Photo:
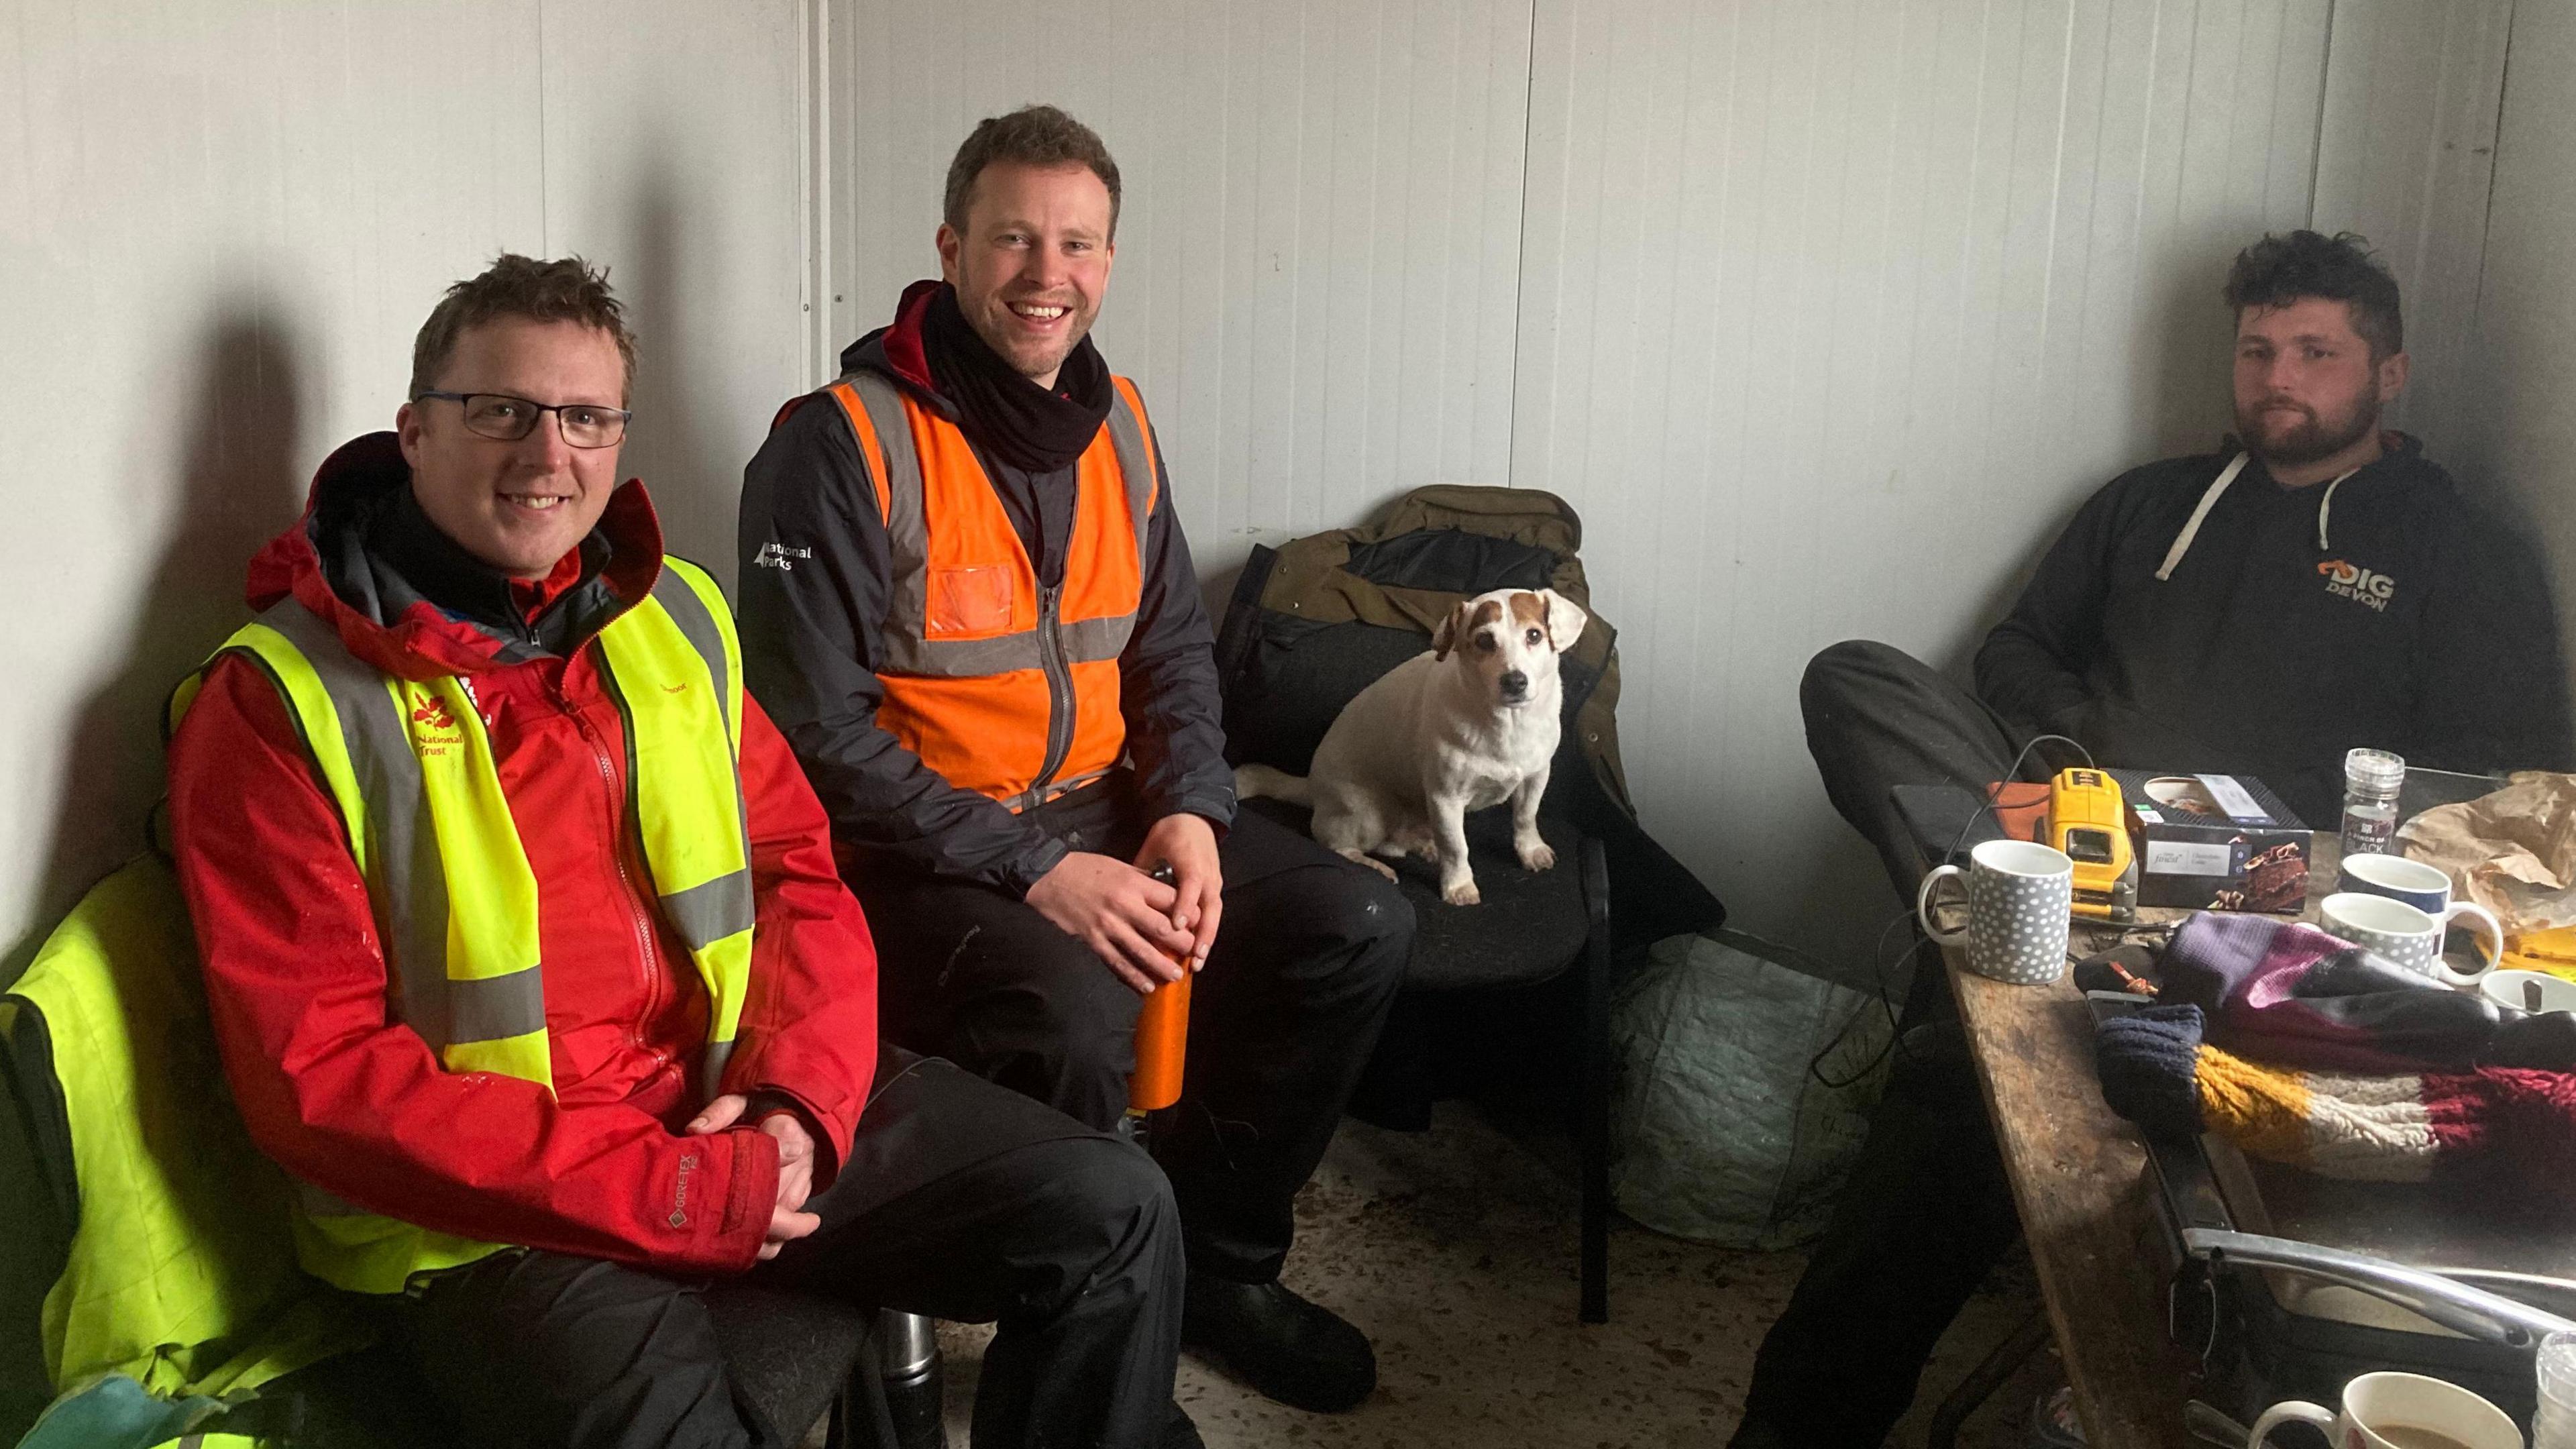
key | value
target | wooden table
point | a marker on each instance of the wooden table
(2078, 1175)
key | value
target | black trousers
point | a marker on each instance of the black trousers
(1282, 1018)
(959, 1200)
(1928, 1210)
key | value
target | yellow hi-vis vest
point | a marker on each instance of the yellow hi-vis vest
(179, 1296)
(411, 769)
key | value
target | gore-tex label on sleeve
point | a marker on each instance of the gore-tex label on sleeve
(2186, 857)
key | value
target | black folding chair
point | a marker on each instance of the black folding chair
(1314, 623)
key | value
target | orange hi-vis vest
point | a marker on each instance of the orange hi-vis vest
(1003, 687)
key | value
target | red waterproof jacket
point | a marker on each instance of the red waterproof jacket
(345, 1097)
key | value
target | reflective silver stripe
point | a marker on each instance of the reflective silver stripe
(907, 531)
(1087, 640)
(410, 883)
(1084, 640)
(707, 913)
(689, 612)
(961, 658)
(1135, 462)
(711, 1068)
(490, 1008)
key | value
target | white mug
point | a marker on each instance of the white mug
(2379, 1409)
(2019, 894)
(2410, 937)
(2517, 988)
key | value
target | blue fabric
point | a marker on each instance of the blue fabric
(2148, 1062)
(116, 1413)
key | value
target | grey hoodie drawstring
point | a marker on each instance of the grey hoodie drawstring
(2191, 530)
(2209, 500)
(2326, 503)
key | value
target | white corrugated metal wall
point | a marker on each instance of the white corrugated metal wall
(1319, 249)
(220, 227)
(2406, 155)
(1825, 315)
(2511, 397)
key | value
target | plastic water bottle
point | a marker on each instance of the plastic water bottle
(2553, 1422)
(2370, 783)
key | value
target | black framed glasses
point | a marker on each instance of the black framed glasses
(500, 416)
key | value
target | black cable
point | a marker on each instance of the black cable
(1886, 1004)
(1986, 798)
(1987, 804)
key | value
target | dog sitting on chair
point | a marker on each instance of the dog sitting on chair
(1472, 723)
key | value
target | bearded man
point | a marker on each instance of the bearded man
(2313, 585)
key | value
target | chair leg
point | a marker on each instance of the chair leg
(908, 1359)
(1593, 1092)
(893, 1399)
(1984, 1379)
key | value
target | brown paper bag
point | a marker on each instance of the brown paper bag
(2513, 851)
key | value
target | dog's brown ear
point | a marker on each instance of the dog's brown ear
(1565, 619)
(1445, 638)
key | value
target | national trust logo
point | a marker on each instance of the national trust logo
(2350, 581)
(434, 730)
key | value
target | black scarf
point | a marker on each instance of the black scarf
(1006, 414)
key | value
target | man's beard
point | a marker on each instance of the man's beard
(2311, 440)
(1034, 363)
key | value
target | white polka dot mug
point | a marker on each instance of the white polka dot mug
(2019, 895)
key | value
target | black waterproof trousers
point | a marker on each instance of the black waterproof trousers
(1306, 963)
(959, 1201)
(1927, 1211)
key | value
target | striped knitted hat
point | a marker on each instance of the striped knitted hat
(2158, 1072)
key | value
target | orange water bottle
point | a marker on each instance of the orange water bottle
(1162, 1038)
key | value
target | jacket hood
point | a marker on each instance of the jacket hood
(323, 561)
(2401, 454)
(896, 351)
(2394, 446)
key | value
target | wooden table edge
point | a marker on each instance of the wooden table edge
(2117, 1393)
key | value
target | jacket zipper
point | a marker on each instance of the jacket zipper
(1059, 677)
(625, 878)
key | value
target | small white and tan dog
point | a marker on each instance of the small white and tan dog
(1470, 724)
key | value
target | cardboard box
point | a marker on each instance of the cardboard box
(2215, 843)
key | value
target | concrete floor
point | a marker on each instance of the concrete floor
(1454, 1249)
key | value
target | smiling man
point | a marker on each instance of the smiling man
(2316, 584)
(968, 603)
(529, 962)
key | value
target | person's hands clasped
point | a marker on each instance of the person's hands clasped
(1121, 913)
(1188, 843)
(787, 1219)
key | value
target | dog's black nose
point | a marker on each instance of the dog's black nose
(1515, 684)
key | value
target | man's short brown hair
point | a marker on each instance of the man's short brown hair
(567, 289)
(1040, 136)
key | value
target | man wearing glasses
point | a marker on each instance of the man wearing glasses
(529, 962)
